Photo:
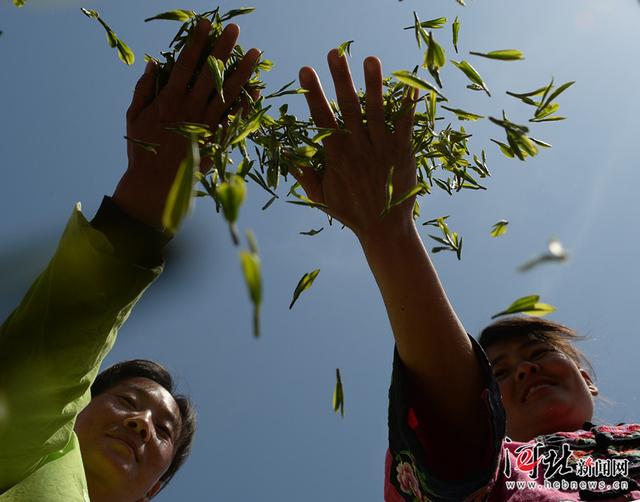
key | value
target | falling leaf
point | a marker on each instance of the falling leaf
(338, 395)
(174, 15)
(499, 228)
(412, 80)
(251, 269)
(125, 54)
(149, 147)
(180, 194)
(304, 283)
(527, 305)
(455, 29)
(231, 195)
(345, 48)
(472, 74)
(312, 231)
(502, 55)
(462, 115)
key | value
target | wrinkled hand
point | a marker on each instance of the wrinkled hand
(143, 189)
(357, 162)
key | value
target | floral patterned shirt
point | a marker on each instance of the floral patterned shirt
(597, 462)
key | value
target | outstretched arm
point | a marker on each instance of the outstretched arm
(52, 344)
(430, 338)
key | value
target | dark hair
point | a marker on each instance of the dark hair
(555, 334)
(141, 368)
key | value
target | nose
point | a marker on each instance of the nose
(140, 423)
(525, 369)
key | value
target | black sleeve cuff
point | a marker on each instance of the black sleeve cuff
(406, 446)
(132, 241)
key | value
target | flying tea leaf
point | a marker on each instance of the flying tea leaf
(312, 232)
(180, 194)
(501, 55)
(149, 147)
(251, 269)
(174, 15)
(471, 74)
(231, 194)
(345, 48)
(412, 80)
(455, 29)
(236, 12)
(527, 305)
(462, 115)
(338, 395)
(499, 228)
(303, 284)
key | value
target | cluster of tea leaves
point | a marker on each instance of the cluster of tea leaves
(264, 143)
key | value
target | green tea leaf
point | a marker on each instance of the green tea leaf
(149, 147)
(435, 56)
(338, 395)
(19, 3)
(90, 13)
(412, 80)
(303, 284)
(471, 74)
(231, 194)
(251, 269)
(557, 92)
(312, 232)
(527, 305)
(455, 29)
(180, 195)
(345, 48)
(217, 69)
(501, 55)
(499, 228)
(174, 15)
(462, 115)
(420, 188)
(236, 12)
(125, 54)
(265, 65)
(435, 24)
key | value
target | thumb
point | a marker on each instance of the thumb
(309, 180)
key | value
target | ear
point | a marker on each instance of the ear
(587, 378)
(152, 492)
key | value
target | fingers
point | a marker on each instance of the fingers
(316, 100)
(345, 92)
(232, 88)
(404, 126)
(144, 91)
(222, 50)
(374, 101)
(187, 62)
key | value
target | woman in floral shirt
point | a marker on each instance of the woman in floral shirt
(447, 420)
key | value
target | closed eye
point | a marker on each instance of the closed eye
(127, 401)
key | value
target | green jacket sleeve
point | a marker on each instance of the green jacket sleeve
(52, 345)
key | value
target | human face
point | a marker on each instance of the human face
(128, 437)
(543, 390)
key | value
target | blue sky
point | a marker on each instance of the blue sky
(267, 431)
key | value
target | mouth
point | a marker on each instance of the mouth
(534, 388)
(130, 444)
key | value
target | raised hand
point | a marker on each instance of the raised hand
(143, 189)
(358, 160)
